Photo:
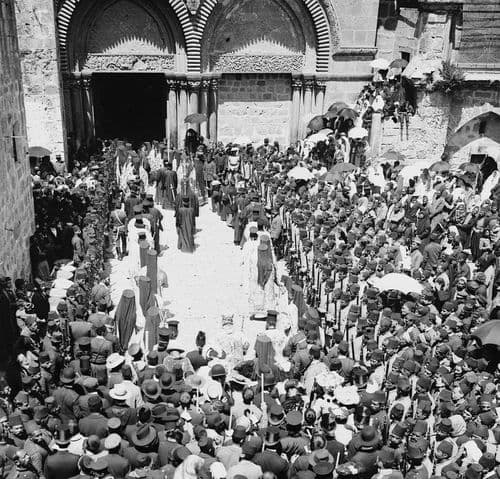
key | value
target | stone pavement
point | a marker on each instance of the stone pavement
(202, 285)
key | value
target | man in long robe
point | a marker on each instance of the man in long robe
(167, 186)
(186, 226)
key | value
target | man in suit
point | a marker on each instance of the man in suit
(66, 397)
(62, 464)
(94, 423)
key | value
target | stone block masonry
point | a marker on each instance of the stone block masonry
(41, 75)
(16, 201)
(255, 106)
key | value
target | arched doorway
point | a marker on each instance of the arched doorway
(265, 52)
(120, 54)
(463, 143)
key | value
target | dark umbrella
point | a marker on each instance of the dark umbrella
(392, 155)
(440, 166)
(470, 167)
(398, 63)
(195, 118)
(342, 168)
(348, 114)
(331, 177)
(330, 115)
(317, 123)
(337, 107)
(488, 333)
(125, 317)
(39, 152)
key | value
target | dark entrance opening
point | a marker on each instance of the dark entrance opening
(130, 106)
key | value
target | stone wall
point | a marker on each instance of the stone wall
(255, 106)
(41, 76)
(442, 121)
(16, 201)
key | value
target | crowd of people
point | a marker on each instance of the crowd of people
(352, 377)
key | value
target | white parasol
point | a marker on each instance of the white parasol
(357, 133)
(380, 64)
(300, 173)
(398, 281)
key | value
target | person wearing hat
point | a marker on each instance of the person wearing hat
(144, 442)
(365, 446)
(118, 466)
(185, 222)
(62, 464)
(93, 423)
(114, 363)
(119, 407)
(66, 397)
(155, 217)
(100, 350)
(270, 459)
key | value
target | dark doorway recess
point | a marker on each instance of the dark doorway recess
(130, 106)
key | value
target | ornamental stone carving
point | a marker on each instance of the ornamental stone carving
(148, 63)
(231, 63)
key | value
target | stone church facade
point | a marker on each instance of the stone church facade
(16, 201)
(255, 68)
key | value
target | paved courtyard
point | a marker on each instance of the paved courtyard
(203, 285)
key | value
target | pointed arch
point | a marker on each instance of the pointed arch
(67, 10)
(319, 18)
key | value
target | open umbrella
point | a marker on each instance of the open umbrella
(39, 152)
(399, 282)
(317, 123)
(470, 167)
(195, 118)
(300, 173)
(348, 114)
(325, 131)
(317, 137)
(488, 333)
(410, 171)
(393, 155)
(357, 133)
(342, 168)
(380, 64)
(398, 63)
(331, 176)
(330, 115)
(337, 107)
(440, 167)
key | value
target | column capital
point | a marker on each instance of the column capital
(181, 84)
(320, 85)
(193, 85)
(205, 84)
(86, 82)
(214, 84)
(297, 83)
(309, 83)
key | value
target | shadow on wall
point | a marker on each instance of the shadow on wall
(486, 125)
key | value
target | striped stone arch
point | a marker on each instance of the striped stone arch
(68, 7)
(320, 22)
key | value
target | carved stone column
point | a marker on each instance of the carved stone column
(295, 120)
(193, 91)
(182, 108)
(75, 88)
(376, 132)
(320, 97)
(213, 106)
(88, 109)
(172, 113)
(205, 84)
(308, 96)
